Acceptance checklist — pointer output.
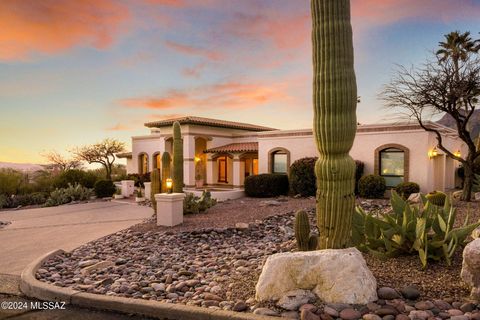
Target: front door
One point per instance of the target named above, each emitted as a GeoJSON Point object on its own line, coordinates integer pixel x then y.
{"type": "Point", "coordinates": [222, 169]}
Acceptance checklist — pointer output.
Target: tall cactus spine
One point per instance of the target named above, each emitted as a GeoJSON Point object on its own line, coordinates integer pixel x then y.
{"type": "Point", "coordinates": [334, 125]}
{"type": "Point", "coordinates": [156, 186]}
{"type": "Point", "coordinates": [302, 230]}
{"type": "Point", "coordinates": [166, 172]}
{"type": "Point", "coordinates": [177, 158]}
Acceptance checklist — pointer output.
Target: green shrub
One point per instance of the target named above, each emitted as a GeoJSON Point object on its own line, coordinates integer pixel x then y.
{"type": "Point", "coordinates": [427, 230]}
{"type": "Point", "coordinates": [76, 176]}
{"type": "Point", "coordinates": [194, 204]}
{"type": "Point", "coordinates": [359, 167]}
{"type": "Point", "coordinates": [11, 181]}
{"type": "Point", "coordinates": [405, 189]}
{"type": "Point", "coordinates": [104, 188]}
{"type": "Point", "coordinates": [302, 177]}
{"type": "Point", "coordinates": [266, 185]}
{"type": "Point", "coordinates": [65, 195]}
{"type": "Point", "coordinates": [139, 179]}
{"type": "Point", "coordinates": [371, 186]}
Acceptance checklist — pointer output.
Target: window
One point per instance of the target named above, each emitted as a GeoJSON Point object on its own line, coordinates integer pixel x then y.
{"type": "Point", "coordinates": [392, 164]}
{"type": "Point", "coordinates": [143, 163]}
{"type": "Point", "coordinates": [222, 169]}
{"type": "Point", "coordinates": [157, 160]}
{"type": "Point", "coordinates": [279, 162]}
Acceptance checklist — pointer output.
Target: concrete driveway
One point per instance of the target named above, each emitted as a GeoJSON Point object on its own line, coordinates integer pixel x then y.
{"type": "Point", "coordinates": [34, 232]}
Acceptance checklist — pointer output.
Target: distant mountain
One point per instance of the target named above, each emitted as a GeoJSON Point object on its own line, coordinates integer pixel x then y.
{"type": "Point", "coordinates": [448, 121]}
{"type": "Point", "coordinates": [28, 167]}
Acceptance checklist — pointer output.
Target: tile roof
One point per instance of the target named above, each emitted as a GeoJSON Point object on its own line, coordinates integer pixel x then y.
{"type": "Point", "coordinates": [235, 147]}
{"type": "Point", "coordinates": [124, 155]}
{"type": "Point", "coordinates": [207, 122]}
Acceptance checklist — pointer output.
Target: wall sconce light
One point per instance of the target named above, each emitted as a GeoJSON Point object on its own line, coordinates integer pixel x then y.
{"type": "Point", "coordinates": [432, 153]}
{"type": "Point", "coordinates": [197, 159]}
{"type": "Point", "coordinates": [169, 184]}
{"type": "Point", "coordinates": [457, 154]}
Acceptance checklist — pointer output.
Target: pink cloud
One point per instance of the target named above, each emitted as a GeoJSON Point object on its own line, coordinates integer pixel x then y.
{"type": "Point", "coordinates": [51, 27]}
{"type": "Point", "coordinates": [194, 51]}
{"type": "Point", "coordinates": [195, 71]}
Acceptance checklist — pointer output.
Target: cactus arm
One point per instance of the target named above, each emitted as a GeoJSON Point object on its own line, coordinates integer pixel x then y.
{"type": "Point", "coordinates": [166, 163]}
{"type": "Point", "coordinates": [335, 100]}
{"type": "Point", "coordinates": [156, 183]}
{"type": "Point", "coordinates": [177, 158]}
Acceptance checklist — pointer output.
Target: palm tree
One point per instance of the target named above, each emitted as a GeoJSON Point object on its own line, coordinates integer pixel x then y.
{"type": "Point", "coordinates": [457, 47]}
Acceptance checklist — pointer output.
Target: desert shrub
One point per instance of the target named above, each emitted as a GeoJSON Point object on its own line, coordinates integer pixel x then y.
{"type": "Point", "coordinates": [104, 188]}
{"type": "Point", "coordinates": [427, 230]}
{"type": "Point", "coordinates": [28, 199]}
{"type": "Point", "coordinates": [11, 181]}
{"type": "Point", "coordinates": [65, 195]}
{"type": "Point", "coordinates": [302, 177]}
{"type": "Point", "coordinates": [359, 167]}
{"type": "Point", "coordinates": [194, 204]}
{"type": "Point", "coordinates": [44, 181]}
{"type": "Point", "coordinates": [119, 172]}
{"type": "Point", "coordinates": [139, 179]}
{"type": "Point", "coordinates": [371, 186]}
{"type": "Point", "coordinates": [75, 176]}
{"type": "Point", "coordinates": [266, 185]}
{"type": "Point", "coordinates": [405, 189]}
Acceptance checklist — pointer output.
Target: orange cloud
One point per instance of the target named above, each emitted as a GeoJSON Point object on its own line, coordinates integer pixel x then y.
{"type": "Point", "coordinates": [171, 3]}
{"type": "Point", "coordinates": [229, 95]}
{"type": "Point", "coordinates": [119, 127]}
{"type": "Point", "coordinates": [50, 26]}
{"type": "Point", "coordinates": [194, 51]}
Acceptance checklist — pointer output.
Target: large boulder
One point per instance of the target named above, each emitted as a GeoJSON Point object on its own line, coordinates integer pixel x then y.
{"type": "Point", "coordinates": [334, 275]}
{"type": "Point", "coordinates": [471, 267]}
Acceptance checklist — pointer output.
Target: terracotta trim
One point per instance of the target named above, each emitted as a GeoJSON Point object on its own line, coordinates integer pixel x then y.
{"type": "Point", "coordinates": [406, 159]}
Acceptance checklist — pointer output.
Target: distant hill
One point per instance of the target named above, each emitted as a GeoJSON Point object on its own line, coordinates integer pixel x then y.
{"type": "Point", "coordinates": [448, 121]}
{"type": "Point", "coordinates": [28, 167]}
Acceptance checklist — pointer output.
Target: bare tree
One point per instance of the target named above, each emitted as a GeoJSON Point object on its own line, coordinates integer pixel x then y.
{"type": "Point", "coordinates": [444, 86]}
{"type": "Point", "coordinates": [62, 162]}
{"type": "Point", "coordinates": [102, 152]}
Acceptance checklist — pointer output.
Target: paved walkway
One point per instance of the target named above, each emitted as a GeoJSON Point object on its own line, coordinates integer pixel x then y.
{"type": "Point", "coordinates": [34, 232]}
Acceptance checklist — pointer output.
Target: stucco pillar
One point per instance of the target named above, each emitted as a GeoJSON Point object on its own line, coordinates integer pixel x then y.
{"type": "Point", "coordinates": [210, 169]}
{"type": "Point", "coordinates": [169, 209]}
{"type": "Point", "coordinates": [237, 183]}
{"type": "Point", "coordinates": [189, 160]}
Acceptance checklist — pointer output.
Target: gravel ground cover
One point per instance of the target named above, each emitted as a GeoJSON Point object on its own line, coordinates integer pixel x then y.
{"type": "Point", "coordinates": [217, 265]}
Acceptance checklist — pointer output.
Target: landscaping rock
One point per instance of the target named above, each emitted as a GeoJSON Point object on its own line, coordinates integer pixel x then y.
{"type": "Point", "coordinates": [415, 198]}
{"type": "Point", "coordinates": [424, 305]}
{"type": "Point", "coordinates": [387, 293]}
{"type": "Point", "coordinates": [410, 292]}
{"type": "Point", "coordinates": [308, 315]}
{"type": "Point", "coordinates": [97, 266]}
{"type": "Point", "coordinates": [350, 314]}
{"type": "Point", "coordinates": [240, 306]}
{"type": "Point", "coordinates": [339, 275]}
{"type": "Point", "coordinates": [292, 300]}
{"type": "Point", "coordinates": [290, 315]}
{"type": "Point", "coordinates": [370, 316]}
{"type": "Point", "coordinates": [471, 268]}
{"type": "Point", "coordinates": [265, 312]}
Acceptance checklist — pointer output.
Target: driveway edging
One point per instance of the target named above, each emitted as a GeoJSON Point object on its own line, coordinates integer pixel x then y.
{"type": "Point", "coordinates": [32, 287]}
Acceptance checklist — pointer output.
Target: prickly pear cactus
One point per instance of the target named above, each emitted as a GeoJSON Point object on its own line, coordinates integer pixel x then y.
{"type": "Point", "coordinates": [177, 158]}
{"type": "Point", "coordinates": [156, 186]}
{"type": "Point", "coordinates": [166, 163]}
{"type": "Point", "coordinates": [335, 101]}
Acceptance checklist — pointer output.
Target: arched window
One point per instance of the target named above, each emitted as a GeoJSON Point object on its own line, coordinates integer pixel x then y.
{"type": "Point", "coordinates": [142, 163]}
{"type": "Point", "coordinates": [279, 160]}
{"type": "Point", "coordinates": [392, 166]}
{"type": "Point", "coordinates": [157, 160]}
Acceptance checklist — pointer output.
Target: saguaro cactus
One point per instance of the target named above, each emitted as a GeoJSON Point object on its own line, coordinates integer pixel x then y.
{"type": "Point", "coordinates": [177, 158]}
{"type": "Point", "coordinates": [156, 186]}
{"type": "Point", "coordinates": [334, 125]}
{"type": "Point", "coordinates": [305, 241]}
{"type": "Point", "coordinates": [166, 162]}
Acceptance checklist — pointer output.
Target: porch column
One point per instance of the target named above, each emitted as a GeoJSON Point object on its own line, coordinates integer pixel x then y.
{"type": "Point", "coordinates": [237, 183]}
{"type": "Point", "coordinates": [210, 169]}
{"type": "Point", "coordinates": [189, 160]}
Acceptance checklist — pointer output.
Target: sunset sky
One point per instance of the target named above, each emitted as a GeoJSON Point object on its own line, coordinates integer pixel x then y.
{"type": "Point", "coordinates": [73, 72]}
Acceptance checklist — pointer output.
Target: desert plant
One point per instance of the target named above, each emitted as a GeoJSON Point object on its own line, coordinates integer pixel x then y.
{"type": "Point", "coordinates": [194, 204]}
{"type": "Point", "coordinates": [66, 195]}
{"type": "Point", "coordinates": [302, 177]}
{"type": "Point", "coordinates": [139, 179]}
{"type": "Point", "coordinates": [405, 189]}
{"type": "Point", "coordinates": [305, 240]}
{"type": "Point", "coordinates": [359, 167]}
{"type": "Point", "coordinates": [104, 188]}
{"type": "Point", "coordinates": [11, 181]}
{"type": "Point", "coordinates": [177, 158]}
{"type": "Point", "coordinates": [436, 198]}
{"type": "Point", "coordinates": [156, 187]}
{"type": "Point", "coordinates": [266, 185]}
{"type": "Point", "coordinates": [372, 186]}
{"type": "Point", "coordinates": [75, 176]}
{"type": "Point", "coordinates": [426, 229]}
{"type": "Point", "coordinates": [335, 123]}
{"type": "Point", "coordinates": [166, 163]}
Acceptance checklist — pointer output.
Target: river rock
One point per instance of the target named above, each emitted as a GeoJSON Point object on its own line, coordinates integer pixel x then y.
{"type": "Point", "coordinates": [336, 275]}
{"type": "Point", "coordinates": [292, 300]}
{"type": "Point", "coordinates": [97, 266]}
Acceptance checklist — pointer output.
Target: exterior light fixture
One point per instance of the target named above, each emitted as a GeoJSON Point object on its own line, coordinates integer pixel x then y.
{"type": "Point", "coordinates": [169, 184]}
{"type": "Point", "coordinates": [457, 153]}
{"type": "Point", "coordinates": [197, 159]}
{"type": "Point", "coordinates": [432, 153]}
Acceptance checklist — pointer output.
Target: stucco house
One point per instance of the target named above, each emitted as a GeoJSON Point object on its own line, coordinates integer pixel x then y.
{"type": "Point", "coordinates": [222, 153]}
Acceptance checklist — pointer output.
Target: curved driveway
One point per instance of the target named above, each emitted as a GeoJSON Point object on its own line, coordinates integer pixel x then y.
{"type": "Point", "coordinates": [33, 232]}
